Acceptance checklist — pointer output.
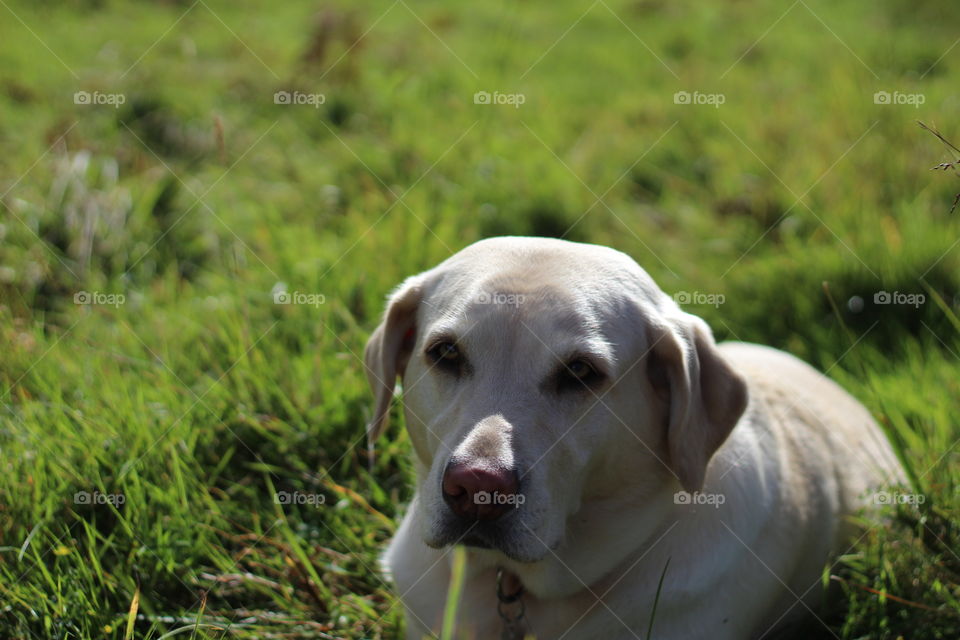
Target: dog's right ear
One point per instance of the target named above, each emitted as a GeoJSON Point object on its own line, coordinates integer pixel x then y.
{"type": "Point", "coordinates": [706, 395]}
{"type": "Point", "coordinates": [388, 351]}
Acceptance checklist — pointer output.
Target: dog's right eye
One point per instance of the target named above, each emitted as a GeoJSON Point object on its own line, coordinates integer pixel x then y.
{"type": "Point", "coordinates": [577, 375]}
{"type": "Point", "coordinates": [446, 355]}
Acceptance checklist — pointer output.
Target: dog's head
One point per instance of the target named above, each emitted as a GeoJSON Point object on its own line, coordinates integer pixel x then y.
{"type": "Point", "coordinates": [539, 374]}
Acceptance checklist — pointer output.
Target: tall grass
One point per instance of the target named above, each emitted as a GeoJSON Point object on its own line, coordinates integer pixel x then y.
{"type": "Point", "coordinates": [145, 364]}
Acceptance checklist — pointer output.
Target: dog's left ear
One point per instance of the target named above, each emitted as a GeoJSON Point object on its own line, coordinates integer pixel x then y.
{"type": "Point", "coordinates": [388, 351]}
{"type": "Point", "coordinates": [707, 396]}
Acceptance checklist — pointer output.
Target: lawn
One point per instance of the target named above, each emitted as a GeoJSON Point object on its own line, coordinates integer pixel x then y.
{"type": "Point", "coordinates": [204, 204]}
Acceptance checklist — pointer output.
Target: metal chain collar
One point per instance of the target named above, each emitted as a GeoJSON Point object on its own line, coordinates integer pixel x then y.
{"type": "Point", "coordinates": [512, 627]}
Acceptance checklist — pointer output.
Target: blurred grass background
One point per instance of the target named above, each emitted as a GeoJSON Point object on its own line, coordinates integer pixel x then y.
{"type": "Point", "coordinates": [195, 397]}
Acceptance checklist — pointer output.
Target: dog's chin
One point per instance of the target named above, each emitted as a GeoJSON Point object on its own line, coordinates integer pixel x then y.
{"type": "Point", "coordinates": [490, 536]}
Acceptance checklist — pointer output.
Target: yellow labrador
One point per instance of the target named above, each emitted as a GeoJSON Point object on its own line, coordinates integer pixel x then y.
{"type": "Point", "coordinates": [584, 438]}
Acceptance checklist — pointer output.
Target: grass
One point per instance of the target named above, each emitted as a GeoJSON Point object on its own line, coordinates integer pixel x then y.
{"type": "Point", "coordinates": [183, 399]}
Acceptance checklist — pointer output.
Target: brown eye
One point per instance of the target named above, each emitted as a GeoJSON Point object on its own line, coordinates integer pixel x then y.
{"type": "Point", "coordinates": [577, 375]}
{"type": "Point", "coordinates": [445, 354]}
{"type": "Point", "coordinates": [580, 370]}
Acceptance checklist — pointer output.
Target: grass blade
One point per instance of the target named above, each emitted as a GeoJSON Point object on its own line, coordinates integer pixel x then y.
{"type": "Point", "coordinates": [132, 614]}
{"type": "Point", "coordinates": [454, 592]}
{"type": "Point", "coordinates": [656, 599]}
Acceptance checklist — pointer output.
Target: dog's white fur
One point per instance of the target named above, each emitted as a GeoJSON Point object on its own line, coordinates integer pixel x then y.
{"type": "Point", "coordinates": [788, 453]}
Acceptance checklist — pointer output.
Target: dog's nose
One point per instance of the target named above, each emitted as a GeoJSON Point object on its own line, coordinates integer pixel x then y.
{"type": "Point", "coordinates": [479, 492]}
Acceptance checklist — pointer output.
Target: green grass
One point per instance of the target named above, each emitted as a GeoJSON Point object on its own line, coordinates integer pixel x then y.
{"type": "Point", "coordinates": [198, 398]}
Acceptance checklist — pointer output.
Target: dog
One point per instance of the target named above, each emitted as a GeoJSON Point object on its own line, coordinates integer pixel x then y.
{"type": "Point", "coordinates": [602, 459]}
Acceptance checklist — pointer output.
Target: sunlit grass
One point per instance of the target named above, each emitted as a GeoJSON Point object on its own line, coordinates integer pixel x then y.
{"type": "Point", "coordinates": [197, 398]}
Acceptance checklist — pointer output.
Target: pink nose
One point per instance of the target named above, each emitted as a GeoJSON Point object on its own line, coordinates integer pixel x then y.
{"type": "Point", "coordinates": [478, 492]}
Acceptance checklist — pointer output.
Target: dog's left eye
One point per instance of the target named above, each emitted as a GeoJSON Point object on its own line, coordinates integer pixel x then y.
{"type": "Point", "coordinates": [579, 369]}
{"type": "Point", "coordinates": [577, 374]}
{"type": "Point", "coordinates": [446, 355]}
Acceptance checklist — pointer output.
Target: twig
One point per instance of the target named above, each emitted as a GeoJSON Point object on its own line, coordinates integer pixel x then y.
{"type": "Point", "coordinates": [909, 603]}
{"type": "Point", "coordinates": [943, 166]}
{"type": "Point", "coordinates": [939, 135]}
